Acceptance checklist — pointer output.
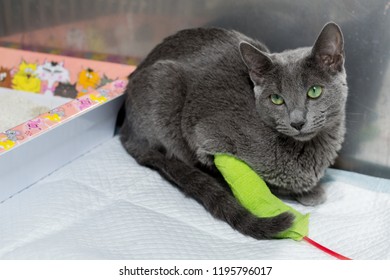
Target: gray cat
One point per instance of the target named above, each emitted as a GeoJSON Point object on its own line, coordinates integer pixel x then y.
{"type": "Point", "coordinates": [207, 91]}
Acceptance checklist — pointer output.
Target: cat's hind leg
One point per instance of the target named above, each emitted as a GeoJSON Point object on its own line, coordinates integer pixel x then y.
{"type": "Point", "coordinates": [155, 98]}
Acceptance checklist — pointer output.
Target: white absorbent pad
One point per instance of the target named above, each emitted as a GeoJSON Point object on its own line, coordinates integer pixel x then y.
{"type": "Point", "coordinates": [105, 206]}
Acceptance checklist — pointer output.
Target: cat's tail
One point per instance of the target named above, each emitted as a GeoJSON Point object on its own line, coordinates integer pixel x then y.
{"type": "Point", "coordinates": [212, 195]}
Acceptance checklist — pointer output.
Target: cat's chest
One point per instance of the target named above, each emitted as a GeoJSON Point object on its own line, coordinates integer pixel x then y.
{"type": "Point", "coordinates": [299, 166]}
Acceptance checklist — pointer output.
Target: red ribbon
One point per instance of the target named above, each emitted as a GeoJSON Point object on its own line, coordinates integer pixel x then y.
{"type": "Point", "coordinates": [324, 249]}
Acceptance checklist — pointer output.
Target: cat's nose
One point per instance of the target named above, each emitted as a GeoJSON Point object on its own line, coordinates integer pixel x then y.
{"type": "Point", "coordinates": [298, 118]}
{"type": "Point", "coordinates": [298, 125]}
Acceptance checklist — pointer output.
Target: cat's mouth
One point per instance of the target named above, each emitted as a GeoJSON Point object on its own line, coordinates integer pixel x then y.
{"type": "Point", "coordinates": [305, 136]}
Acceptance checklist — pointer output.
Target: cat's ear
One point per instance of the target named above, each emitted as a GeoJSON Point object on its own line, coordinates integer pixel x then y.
{"type": "Point", "coordinates": [258, 62]}
{"type": "Point", "coordinates": [328, 50]}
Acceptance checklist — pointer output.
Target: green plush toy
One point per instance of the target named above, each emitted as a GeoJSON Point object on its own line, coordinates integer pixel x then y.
{"type": "Point", "coordinates": [252, 192]}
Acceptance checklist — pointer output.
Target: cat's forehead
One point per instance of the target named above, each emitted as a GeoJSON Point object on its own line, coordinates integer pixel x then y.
{"type": "Point", "coordinates": [290, 57]}
{"type": "Point", "coordinates": [291, 69]}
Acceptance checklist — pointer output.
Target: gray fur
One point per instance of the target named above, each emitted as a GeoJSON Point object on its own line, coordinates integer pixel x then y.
{"type": "Point", "coordinates": [206, 91]}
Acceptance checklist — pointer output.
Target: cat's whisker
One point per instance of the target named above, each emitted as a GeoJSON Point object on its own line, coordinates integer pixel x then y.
{"type": "Point", "coordinates": [319, 122]}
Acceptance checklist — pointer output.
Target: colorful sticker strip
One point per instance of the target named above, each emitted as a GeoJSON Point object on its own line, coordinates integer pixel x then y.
{"type": "Point", "coordinates": [34, 127]}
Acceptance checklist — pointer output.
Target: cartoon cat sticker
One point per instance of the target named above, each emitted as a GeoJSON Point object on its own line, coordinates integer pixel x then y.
{"type": "Point", "coordinates": [87, 80]}
{"type": "Point", "coordinates": [66, 90]}
{"type": "Point", "coordinates": [26, 78]}
{"type": "Point", "coordinates": [52, 72]}
{"type": "Point", "coordinates": [7, 144]}
{"type": "Point", "coordinates": [14, 135]}
{"type": "Point", "coordinates": [5, 77]}
{"type": "Point", "coordinates": [104, 80]}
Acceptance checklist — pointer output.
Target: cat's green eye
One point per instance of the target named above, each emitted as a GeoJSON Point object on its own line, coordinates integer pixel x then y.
{"type": "Point", "coordinates": [314, 92]}
{"type": "Point", "coordinates": [277, 99]}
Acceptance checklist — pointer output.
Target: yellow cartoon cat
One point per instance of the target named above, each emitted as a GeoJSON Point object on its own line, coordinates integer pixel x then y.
{"type": "Point", "coordinates": [25, 79]}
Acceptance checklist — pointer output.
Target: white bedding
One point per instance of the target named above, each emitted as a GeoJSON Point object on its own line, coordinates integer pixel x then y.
{"type": "Point", "coordinates": [105, 206]}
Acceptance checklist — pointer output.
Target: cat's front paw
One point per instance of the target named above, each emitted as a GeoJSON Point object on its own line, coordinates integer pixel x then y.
{"type": "Point", "coordinates": [315, 197]}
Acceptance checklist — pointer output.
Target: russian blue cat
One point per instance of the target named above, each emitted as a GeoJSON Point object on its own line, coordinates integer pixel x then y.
{"type": "Point", "coordinates": [207, 91]}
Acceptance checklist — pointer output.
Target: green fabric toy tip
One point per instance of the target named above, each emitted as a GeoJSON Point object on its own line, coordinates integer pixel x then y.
{"type": "Point", "coordinates": [252, 192]}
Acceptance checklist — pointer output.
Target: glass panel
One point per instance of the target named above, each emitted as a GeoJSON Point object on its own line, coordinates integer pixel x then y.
{"type": "Point", "coordinates": [130, 29]}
